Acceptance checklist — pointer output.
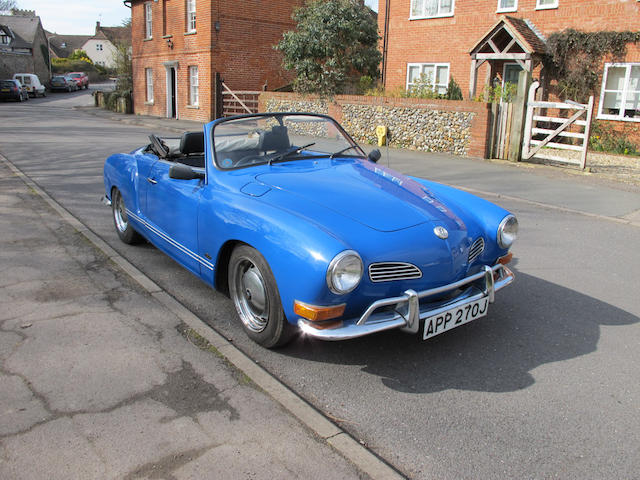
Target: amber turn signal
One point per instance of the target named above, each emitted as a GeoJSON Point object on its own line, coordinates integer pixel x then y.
{"type": "Point", "coordinates": [316, 313]}
{"type": "Point", "coordinates": [506, 259]}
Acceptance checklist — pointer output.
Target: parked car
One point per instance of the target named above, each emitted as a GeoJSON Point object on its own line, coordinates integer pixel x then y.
{"type": "Point", "coordinates": [63, 82]}
{"type": "Point", "coordinates": [307, 233]}
{"type": "Point", "coordinates": [81, 79]}
{"type": "Point", "coordinates": [32, 84]}
{"type": "Point", "coordinates": [12, 89]}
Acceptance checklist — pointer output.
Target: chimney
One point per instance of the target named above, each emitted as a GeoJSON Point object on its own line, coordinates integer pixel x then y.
{"type": "Point", "coordinates": [97, 27]}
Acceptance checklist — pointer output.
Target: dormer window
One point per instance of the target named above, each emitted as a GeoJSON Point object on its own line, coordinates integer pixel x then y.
{"type": "Point", "coordinates": [63, 45]}
{"type": "Point", "coordinates": [5, 39]}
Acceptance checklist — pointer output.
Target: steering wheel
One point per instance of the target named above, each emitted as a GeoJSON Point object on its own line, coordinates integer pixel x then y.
{"type": "Point", "coordinates": [248, 160]}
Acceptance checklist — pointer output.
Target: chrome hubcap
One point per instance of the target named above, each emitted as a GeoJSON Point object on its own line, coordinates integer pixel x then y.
{"type": "Point", "coordinates": [120, 214]}
{"type": "Point", "coordinates": [251, 296]}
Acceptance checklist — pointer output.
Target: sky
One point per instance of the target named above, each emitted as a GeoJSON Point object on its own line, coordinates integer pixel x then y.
{"type": "Point", "coordinates": [79, 17]}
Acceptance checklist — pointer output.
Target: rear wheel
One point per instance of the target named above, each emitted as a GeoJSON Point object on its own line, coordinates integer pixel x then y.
{"type": "Point", "coordinates": [121, 221]}
{"type": "Point", "coordinates": [255, 295]}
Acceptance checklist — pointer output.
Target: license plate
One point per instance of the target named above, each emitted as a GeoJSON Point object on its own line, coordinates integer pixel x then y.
{"type": "Point", "coordinates": [455, 317]}
{"type": "Point", "coordinates": [5, 90]}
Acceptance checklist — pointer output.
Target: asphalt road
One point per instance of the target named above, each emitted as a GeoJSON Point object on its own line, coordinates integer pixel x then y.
{"type": "Point", "coordinates": [547, 386]}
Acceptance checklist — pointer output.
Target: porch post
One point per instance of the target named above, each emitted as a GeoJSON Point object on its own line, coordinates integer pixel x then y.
{"type": "Point", "coordinates": [472, 78]}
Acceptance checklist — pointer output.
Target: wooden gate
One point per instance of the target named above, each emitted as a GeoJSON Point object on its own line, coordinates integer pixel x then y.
{"type": "Point", "coordinates": [238, 102]}
{"type": "Point", "coordinates": [502, 116]}
{"type": "Point", "coordinates": [547, 128]}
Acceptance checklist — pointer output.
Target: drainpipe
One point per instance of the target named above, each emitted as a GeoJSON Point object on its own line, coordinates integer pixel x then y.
{"type": "Point", "coordinates": [385, 43]}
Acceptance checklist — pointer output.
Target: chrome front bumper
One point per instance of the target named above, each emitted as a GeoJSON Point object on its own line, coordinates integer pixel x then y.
{"type": "Point", "coordinates": [406, 313]}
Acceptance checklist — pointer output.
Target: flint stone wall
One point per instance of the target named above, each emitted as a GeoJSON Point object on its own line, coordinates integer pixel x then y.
{"type": "Point", "coordinates": [455, 127]}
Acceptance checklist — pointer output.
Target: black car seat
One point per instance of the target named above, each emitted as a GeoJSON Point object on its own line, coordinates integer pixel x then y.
{"type": "Point", "coordinates": [192, 149]}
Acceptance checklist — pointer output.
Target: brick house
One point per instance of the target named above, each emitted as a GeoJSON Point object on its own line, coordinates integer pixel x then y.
{"type": "Point", "coordinates": [478, 42]}
{"type": "Point", "coordinates": [179, 45]}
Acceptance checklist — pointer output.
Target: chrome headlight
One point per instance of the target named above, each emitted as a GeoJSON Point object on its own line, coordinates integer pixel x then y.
{"type": "Point", "coordinates": [507, 231]}
{"type": "Point", "coordinates": [344, 272]}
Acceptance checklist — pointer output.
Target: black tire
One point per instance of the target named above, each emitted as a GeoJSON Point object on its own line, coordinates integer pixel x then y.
{"type": "Point", "coordinates": [124, 229]}
{"type": "Point", "coordinates": [254, 292]}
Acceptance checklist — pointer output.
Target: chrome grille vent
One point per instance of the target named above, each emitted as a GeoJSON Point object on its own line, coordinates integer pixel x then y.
{"type": "Point", "coordinates": [476, 249]}
{"type": "Point", "coordinates": [390, 271]}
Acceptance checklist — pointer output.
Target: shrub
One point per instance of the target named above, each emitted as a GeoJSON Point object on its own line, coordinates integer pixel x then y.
{"type": "Point", "coordinates": [605, 139]}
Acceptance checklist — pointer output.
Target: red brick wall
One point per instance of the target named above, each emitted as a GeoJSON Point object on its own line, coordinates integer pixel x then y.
{"type": "Point", "coordinates": [242, 50]}
{"type": "Point", "coordinates": [449, 40]}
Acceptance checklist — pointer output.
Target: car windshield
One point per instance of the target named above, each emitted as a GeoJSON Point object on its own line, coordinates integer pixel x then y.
{"type": "Point", "coordinates": [278, 137]}
{"type": "Point", "coordinates": [58, 78]}
{"type": "Point", "coordinates": [7, 83]}
{"type": "Point", "coordinates": [75, 75]}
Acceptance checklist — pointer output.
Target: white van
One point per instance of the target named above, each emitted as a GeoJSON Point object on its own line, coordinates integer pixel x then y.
{"type": "Point", "coordinates": [32, 82]}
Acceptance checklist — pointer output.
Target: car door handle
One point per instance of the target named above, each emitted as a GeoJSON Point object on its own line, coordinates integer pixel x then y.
{"type": "Point", "coordinates": [151, 180]}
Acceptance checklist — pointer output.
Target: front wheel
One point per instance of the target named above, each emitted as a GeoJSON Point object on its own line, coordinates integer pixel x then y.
{"type": "Point", "coordinates": [255, 295]}
{"type": "Point", "coordinates": [120, 219]}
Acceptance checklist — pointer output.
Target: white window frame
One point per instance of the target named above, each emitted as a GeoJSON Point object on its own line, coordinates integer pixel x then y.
{"type": "Point", "coordinates": [5, 39]}
{"type": "Point", "coordinates": [625, 91]}
{"type": "Point", "coordinates": [435, 69]}
{"type": "Point", "coordinates": [148, 75]}
{"type": "Point", "coordinates": [191, 16]}
{"type": "Point", "coordinates": [194, 92]}
{"type": "Point", "coordinates": [437, 15]}
{"type": "Point", "coordinates": [148, 20]}
{"type": "Point", "coordinates": [99, 47]}
{"type": "Point", "coordinates": [540, 6]}
{"type": "Point", "coordinates": [507, 9]}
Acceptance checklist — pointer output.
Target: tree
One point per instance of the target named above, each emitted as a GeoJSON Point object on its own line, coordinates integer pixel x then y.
{"type": "Point", "coordinates": [6, 5]}
{"type": "Point", "coordinates": [335, 42]}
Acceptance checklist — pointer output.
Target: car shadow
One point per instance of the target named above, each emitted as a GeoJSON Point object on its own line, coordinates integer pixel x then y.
{"type": "Point", "coordinates": [533, 322]}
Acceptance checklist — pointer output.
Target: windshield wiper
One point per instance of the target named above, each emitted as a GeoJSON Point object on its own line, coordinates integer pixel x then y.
{"type": "Point", "coordinates": [335, 154]}
{"type": "Point", "coordinates": [290, 152]}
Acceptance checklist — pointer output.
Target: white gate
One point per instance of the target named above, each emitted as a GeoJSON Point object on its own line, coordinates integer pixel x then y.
{"type": "Point", "coordinates": [534, 147]}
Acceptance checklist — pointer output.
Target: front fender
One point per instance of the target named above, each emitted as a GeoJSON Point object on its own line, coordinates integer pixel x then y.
{"type": "Point", "coordinates": [297, 250]}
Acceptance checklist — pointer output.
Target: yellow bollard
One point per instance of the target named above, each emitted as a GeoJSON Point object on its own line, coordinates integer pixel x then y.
{"type": "Point", "coordinates": [381, 132]}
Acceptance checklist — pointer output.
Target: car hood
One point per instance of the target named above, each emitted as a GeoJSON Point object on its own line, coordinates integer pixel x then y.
{"type": "Point", "coordinates": [372, 195]}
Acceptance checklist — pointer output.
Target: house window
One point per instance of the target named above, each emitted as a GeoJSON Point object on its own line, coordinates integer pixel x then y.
{"type": "Point", "coordinates": [191, 15]}
{"type": "Point", "coordinates": [620, 96]}
{"type": "Point", "coordinates": [541, 4]}
{"type": "Point", "coordinates": [148, 21]}
{"type": "Point", "coordinates": [507, 6]}
{"type": "Point", "coordinates": [99, 47]}
{"type": "Point", "coordinates": [431, 8]}
{"type": "Point", "coordinates": [148, 73]}
{"type": "Point", "coordinates": [193, 85]}
{"type": "Point", "coordinates": [433, 75]}
{"type": "Point", "coordinates": [4, 39]}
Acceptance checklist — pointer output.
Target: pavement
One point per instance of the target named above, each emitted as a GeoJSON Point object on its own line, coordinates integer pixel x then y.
{"type": "Point", "coordinates": [104, 375]}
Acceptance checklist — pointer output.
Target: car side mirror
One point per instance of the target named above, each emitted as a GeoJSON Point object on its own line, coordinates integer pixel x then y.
{"type": "Point", "coordinates": [180, 171]}
{"type": "Point", "coordinates": [374, 155]}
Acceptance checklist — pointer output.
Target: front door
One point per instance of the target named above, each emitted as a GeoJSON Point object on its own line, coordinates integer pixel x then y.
{"type": "Point", "coordinates": [510, 73]}
{"type": "Point", "coordinates": [172, 102]}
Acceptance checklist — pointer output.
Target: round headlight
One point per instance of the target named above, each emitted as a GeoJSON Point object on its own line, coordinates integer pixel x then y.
{"type": "Point", "coordinates": [344, 272]}
{"type": "Point", "coordinates": [507, 231]}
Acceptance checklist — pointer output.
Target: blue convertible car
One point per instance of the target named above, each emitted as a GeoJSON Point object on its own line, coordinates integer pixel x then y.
{"type": "Point", "coordinates": [307, 233]}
